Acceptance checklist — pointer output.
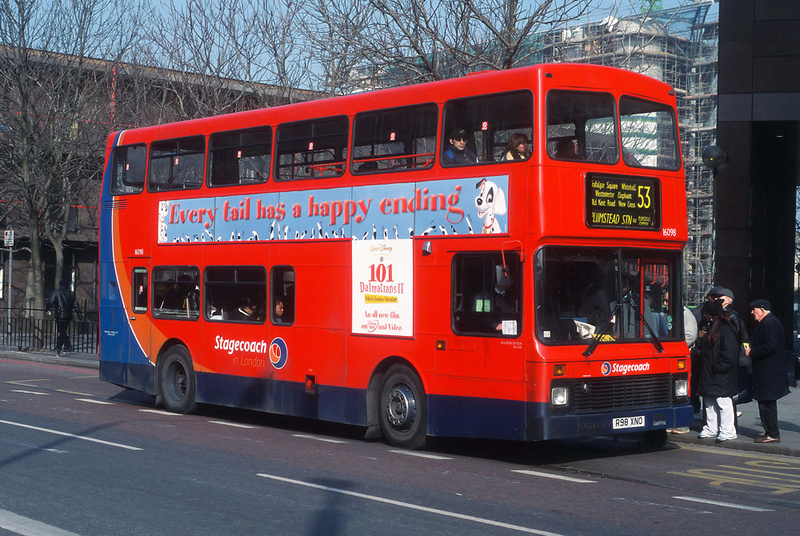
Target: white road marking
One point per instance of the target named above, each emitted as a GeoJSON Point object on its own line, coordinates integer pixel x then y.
{"type": "Point", "coordinates": [234, 424]}
{"type": "Point", "coordinates": [410, 506]}
{"type": "Point", "coordinates": [29, 392]}
{"type": "Point", "coordinates": [670, 507]}
{"type": "Point", "coordinates": [65, 434]}
{"type": "Point", "coordinates": [160, 412]}
{"type": "Point", "coordinates": [726, 504]}
{"type": "Point", "coordinates": [93, 401]}
{"type": "Point", "coordinates": [420, 454]}
{"type": "Point", "coordinates": [556, 477]}
{"type": "Point", "coordinates": [29, 527]}
{"type": "Point", "coordinates": [323, 439]}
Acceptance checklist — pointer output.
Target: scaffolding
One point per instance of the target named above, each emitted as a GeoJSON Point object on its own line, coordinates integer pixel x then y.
{"type": "Point", "coordinates": [678, 46]}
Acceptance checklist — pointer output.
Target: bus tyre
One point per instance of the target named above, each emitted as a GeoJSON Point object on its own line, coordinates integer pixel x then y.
{"type": "Point", "coordinates": [177, 381]}
{"type": "Point", "coordinates": [402, 408]}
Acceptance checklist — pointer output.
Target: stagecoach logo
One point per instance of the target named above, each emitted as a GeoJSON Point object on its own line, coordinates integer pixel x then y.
{"type": "Point", "coordinates": [617, 368]}
{"type": "Point", "coordinates": [278, 353]}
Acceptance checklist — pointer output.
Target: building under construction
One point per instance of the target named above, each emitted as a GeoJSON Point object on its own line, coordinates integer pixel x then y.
{"type": "Point", "coordinates": [679, 47]}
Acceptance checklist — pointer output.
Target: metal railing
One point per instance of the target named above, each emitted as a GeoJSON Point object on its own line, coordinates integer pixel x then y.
{"type": "Point", "coordinates": [26, 333]}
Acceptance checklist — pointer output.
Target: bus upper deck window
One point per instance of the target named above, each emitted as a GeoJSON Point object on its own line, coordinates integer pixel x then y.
{"type": "Point", "coordinates": [127, 169]}
{"type": "Point", "coordinates": [649, 134]}
{"type": "Point", "coordinates": [177, 164]}
{"type": "Point", "coordinates": [581, 126]}
{"type": "Point", "coordinates": [395, 139]}
{"type": "Point", "coordinates": [239, 157]}
{"type": "Point", "coordinates": [484, 129]}
{"type": "Point", "coordinates": [311, 149]}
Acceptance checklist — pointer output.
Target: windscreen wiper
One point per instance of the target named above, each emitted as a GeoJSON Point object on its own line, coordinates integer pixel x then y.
{"type": "Point", "coordinates": [653, 336]}
{"type": "Point", "coordinates": [597, 337]}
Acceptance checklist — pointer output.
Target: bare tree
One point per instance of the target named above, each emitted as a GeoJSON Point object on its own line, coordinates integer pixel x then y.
{"type": "Point", "coordinates": [408, 41]}
{"type": "Point", "coordinates": [332, 31]}
{"type": "Point", "coordinates": [509, 28]}
{"type": "Point", "coordinates": [286, 55]}
{"type": "Point", "coordinates": [55, 104]}
{"type": "Point", "coordinates": [192, 40]}
{"type": "Point", "coordinates": [228, 55]}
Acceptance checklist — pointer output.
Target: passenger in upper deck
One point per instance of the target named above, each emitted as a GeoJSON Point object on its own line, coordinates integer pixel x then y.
{"type": "Point", "coordinates": [516, 148]}
{"type": "Point", "coordinates": [565, 148]}
{"type": "Point", "coordinates": [458, 154]}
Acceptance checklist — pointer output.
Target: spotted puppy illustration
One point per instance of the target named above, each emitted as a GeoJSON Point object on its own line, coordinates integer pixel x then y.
{"type": "Point", "coordinates": [491, 202]}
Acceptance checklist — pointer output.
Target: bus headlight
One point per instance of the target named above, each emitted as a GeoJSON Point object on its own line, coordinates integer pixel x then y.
{"type": "Point", "coordinates": [559, 396]}
{"type": "Point", "coordinates": [681, 388]}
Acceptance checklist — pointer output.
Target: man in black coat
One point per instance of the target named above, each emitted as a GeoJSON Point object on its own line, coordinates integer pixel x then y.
{"type": "Point", "coordinates": [63, 301]}
{"type": "Point", "coordinates": [770, 378]}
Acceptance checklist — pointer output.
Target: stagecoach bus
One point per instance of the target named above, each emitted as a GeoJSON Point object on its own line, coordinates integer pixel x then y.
{"type": "Point", "coordinates": [494, 256]}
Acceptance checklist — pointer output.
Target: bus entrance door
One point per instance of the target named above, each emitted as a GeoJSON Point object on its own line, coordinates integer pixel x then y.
{"type": "Point", "coordinates": [138, 365]}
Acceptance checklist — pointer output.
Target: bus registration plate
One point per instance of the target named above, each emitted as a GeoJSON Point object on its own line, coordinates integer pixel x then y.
{"type": "Point", "coordinates": [628, 422]}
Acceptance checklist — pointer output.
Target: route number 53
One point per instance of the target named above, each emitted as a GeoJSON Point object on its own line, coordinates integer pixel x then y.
{"type": "Point", "coordinates": [644, 197]}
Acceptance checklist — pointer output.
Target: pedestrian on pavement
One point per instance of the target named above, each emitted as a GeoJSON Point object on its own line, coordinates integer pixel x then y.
{"type": "Point", "coordinates": [744, 376]}
{"type": "Point", "coordinates": [719, 357]}
{"type": "Point", "coordinates": [689, 327]}
{"type": "Point", "coordinates": [63, 301]}
{"type": "Point", "coordinates": [770, 378]}
{"type": "Point", "coordinates": [744, 372]}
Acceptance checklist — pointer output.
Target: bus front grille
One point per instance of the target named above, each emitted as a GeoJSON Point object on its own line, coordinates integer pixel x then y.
{"type": "Point", "coordinates": [621, 392]}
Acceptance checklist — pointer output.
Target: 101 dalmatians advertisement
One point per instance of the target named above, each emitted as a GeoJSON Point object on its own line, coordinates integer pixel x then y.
{"type": "Point", "coordinates": [471, 206]}
{"type": "Point", "coordinates": [383, 284]}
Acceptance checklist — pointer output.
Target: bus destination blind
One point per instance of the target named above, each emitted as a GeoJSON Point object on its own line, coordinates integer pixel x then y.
{"type": "Point", "coordinates": [622, 202]}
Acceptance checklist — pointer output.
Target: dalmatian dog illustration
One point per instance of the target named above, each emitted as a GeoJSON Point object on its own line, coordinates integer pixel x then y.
{"type": "Point", "coordinates": [491, 202]}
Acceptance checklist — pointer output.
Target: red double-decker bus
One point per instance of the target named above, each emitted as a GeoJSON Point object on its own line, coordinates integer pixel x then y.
{"type": "Point", "coordinates": [495, 256]}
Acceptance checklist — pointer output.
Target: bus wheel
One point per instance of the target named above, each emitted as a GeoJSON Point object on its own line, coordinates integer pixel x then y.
{"type": "Point", "coordinates": [177, 381]}
{"type": "Point", "coordinates": [402, 408]}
